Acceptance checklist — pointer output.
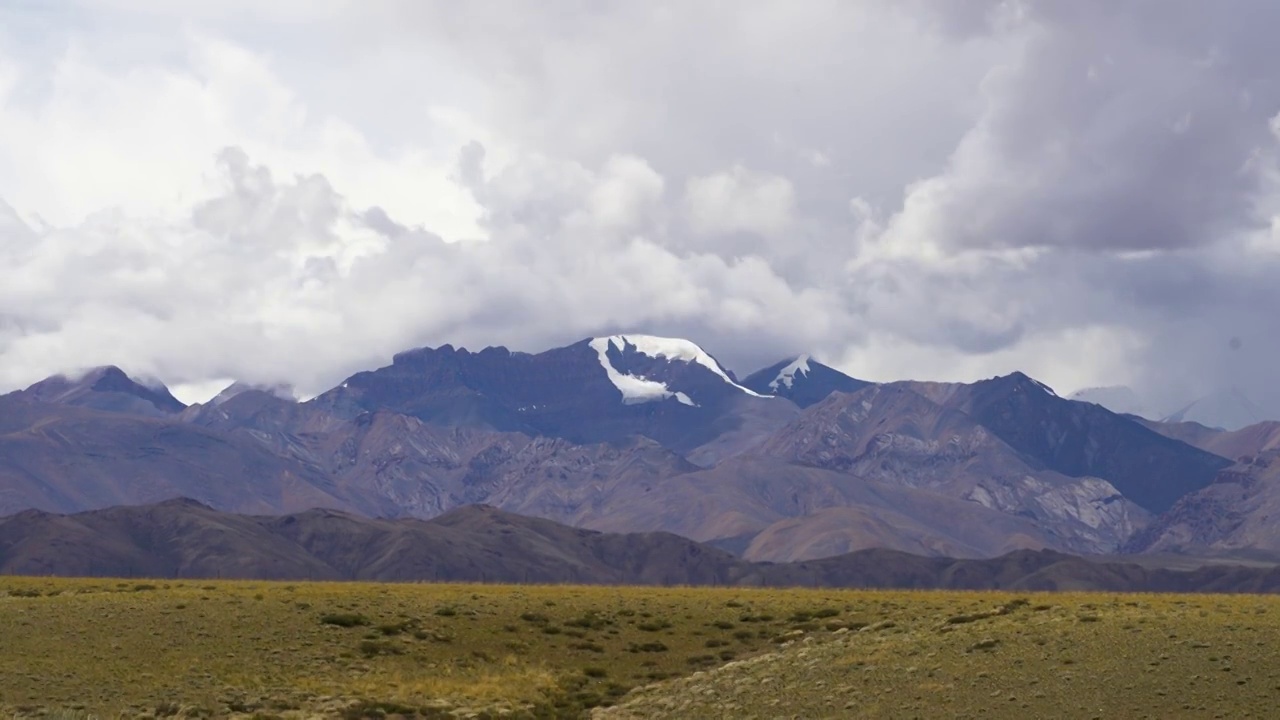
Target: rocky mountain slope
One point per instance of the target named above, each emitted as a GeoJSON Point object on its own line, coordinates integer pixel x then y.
{"type": "Point", "coordinates": [105, 388]}
{"type": "Point", "coordinates": [628, 433]}
{"type": "Point", "coordinates": [596, 390]}
{"type": "Point", "coordinates": [1081, 439]}
{"type": "Point", "coordinates": [1249, 440]}
{"type": "Point", "coordinates": [1238, 511]}
{"type": "Point", "coordinates": [58, 456]}
{"type": "Point", "coordinates": [183, 539]}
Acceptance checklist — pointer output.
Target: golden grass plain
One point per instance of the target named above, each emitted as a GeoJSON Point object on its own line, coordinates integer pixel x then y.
{"type": "Point", "coordinates": [193, 648]}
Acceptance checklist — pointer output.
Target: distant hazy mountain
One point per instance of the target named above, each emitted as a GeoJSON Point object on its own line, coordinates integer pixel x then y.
{"type": "Point", "coordinates": [1233, 444]}
{"type": "Point", "coordinates": [1116, 398]}
{"type": "Point", "coordinates": [1229, 409]}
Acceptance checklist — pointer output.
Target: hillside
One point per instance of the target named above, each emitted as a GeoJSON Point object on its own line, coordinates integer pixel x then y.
{"type": "Point", "coordinates": [183, 539]}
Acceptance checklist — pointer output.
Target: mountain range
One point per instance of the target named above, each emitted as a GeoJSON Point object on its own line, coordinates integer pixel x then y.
{"type": "Point", "coordinates": [643, 434]}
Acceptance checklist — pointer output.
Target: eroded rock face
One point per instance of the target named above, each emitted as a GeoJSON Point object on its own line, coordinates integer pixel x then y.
{"type": "Point", "coordinates": [1086, 440]}
{"type": "Point", "coordinates": [1238, 511]}
{"type": "Point", "coordinates": [895, 435]}
{"type": "Point", "coordinates": [1089, 514]}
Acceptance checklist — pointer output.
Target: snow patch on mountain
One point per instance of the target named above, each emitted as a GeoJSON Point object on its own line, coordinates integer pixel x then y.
{"type": "Point", "coordinates": [634, 389]}
{"type": "Point", "coordinates": [670, 349]}
{"type": "Point", "coordinates": [787, 375]}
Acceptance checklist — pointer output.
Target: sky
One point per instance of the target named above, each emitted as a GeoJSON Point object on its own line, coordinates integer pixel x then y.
{"type": "Point", "coordinates": [289, 192]}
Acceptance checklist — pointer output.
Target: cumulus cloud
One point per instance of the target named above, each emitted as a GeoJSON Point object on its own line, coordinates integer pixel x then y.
{"type": "Point", "coordinates": [738, 200]}
{"type": "Point", "coordinates": [1086, 191]}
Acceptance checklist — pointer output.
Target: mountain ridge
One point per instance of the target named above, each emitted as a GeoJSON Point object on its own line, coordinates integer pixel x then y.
{"type": "Point", "coordinates": [185, 539]}
{"type": "Point", "coordinates": [969, 470]}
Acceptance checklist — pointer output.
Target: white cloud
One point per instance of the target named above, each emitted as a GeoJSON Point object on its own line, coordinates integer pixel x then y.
{"type": "Point", "coordinates": [1027, 193]}
{"type": "Point", "coordinates": [738, 200]}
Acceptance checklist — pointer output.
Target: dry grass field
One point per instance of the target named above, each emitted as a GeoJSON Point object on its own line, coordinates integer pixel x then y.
{"type": "Point", "coordinates": [106, 648]}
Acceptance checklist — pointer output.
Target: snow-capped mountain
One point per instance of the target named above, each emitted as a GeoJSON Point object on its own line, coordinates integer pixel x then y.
{"type": "Point", "coordinates": [802, 380]}
{"type": "Point", "coordinates": [1229, 409]}
{"type": "Point", "coordinates": [598, 389]}
{"type": "Point", "coordinates": [622, 432]}
{"type": "Point", "coordinates": [641, 366]}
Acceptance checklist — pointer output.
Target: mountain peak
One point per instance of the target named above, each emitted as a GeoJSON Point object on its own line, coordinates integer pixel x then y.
{"type": "Point", "coordinates": [106, 388]}
{"type": "Point", "coordinates": [284, 391]}
{"type": "Point", "coordinates": [638, 387]}
{"type": "Point", "coordinates": [1018, 380]}
{"type": "Point", "coordinates": [802, 380]}
{"type": "Point", "coordinates": [786, 377]}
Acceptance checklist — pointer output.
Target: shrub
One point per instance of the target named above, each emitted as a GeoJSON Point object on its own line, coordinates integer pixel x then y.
{"type": "Point", "coordinates": [595, 672]}
{"type": "Point", "coordinates": [370, 648]}
{"type": "Point", "coordinates": [346, 620]}
{"type": "Point", "coordinates": [396, 628]}
{"type": "Point", "coordinates": [654, 647]}
{"type": "Point", "coordinates": [589, 621]}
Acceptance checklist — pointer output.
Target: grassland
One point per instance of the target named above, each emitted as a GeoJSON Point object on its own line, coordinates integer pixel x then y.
{"type": "Point", "coordinates": [255, 649]}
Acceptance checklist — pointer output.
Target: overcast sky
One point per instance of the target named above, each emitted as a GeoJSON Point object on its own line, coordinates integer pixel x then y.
{"type": "Point", "coordinates": [293, 190]}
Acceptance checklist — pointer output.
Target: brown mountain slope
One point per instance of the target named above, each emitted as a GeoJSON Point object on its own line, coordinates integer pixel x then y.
{"type": "Point", "coordinates": [420, 469]}
{"type": "Point", "coordinates": [741, 498]}
{"type": "Point", "coordinates": [182, 539]}
{"type": "Point", "coordinates": [1232, 444]}
{"type": "Point", "coordinates": [895, 435]}
{"type": "Point", "coordinates": [923, 496]}
{"type": "Point", "coordinates": [1082, 439]}
{"type": "Point", "coordinates": [1239, 511]}
{"type": "Point", "coordinates": [65, 458]}
{"type": "Point", "coordinates": [405, 466]}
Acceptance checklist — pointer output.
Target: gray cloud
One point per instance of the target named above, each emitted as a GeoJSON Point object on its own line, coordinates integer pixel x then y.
{"type": "Point", "coordinates": [1083, 190]}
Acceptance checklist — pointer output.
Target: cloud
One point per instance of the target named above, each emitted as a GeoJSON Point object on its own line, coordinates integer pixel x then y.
{"type": "Point", "coordinates": [1086, 191]}
{"type": "Point", "coordinates": [738, 200]}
